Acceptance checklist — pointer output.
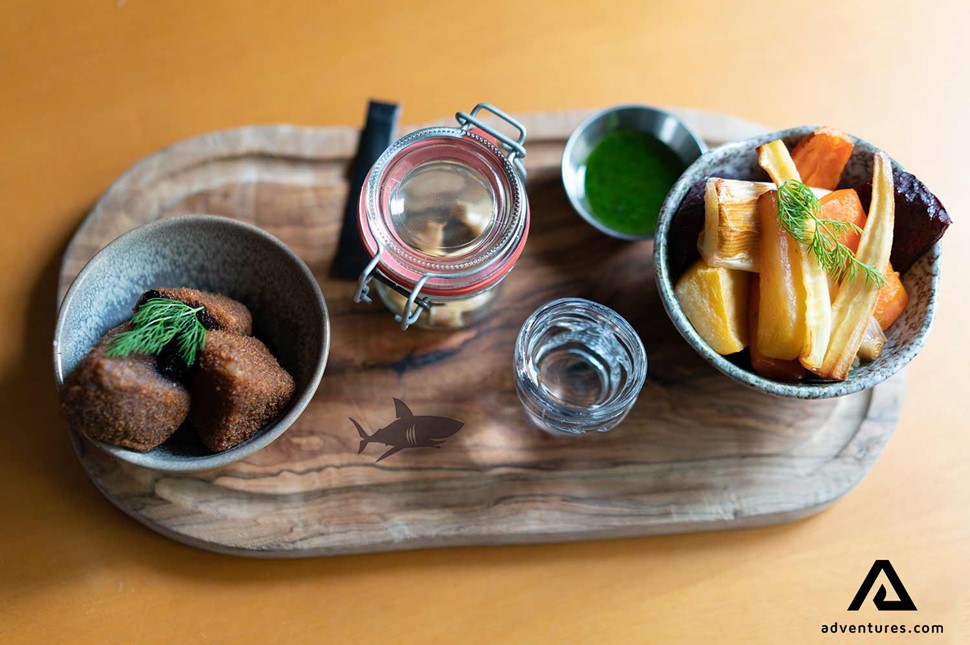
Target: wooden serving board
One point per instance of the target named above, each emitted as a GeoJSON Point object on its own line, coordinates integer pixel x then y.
{"type": "Point", "coordinates": [698, 452]}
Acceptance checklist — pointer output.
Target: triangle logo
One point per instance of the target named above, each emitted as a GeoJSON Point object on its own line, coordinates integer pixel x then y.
{"type": "Point", "coordinates": [903, 602]}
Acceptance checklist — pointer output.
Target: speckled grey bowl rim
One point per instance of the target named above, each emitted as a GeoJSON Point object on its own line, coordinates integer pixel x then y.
{"type": "Point", "coordinates": [577, 133]}
{"type": "Point", "coordinates": [751, 379]}
{"type": "Point", "coordinates": [266, 436]}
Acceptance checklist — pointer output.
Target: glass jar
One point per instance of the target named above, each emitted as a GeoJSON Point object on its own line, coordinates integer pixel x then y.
{"type": "Point", "coordinates": [444, 216]}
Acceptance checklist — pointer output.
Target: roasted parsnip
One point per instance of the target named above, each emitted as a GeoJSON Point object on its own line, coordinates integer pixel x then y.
{"type": "Point", "coordinates": [775, 159]}
{"type": "Point", "coordinates": [855, 303]}
{"type": "Point", "coordinates": [777, 162]}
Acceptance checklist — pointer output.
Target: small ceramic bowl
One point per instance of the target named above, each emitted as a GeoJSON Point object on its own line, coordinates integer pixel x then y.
{"type": "Point", "coordinates": [676, 249]}
{"type": "Point", "coordinates": [637, 118]}
{"type": "Point", "coordinates": [214, 254]}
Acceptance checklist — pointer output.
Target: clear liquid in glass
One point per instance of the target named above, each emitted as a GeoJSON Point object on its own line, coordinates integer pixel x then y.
{"type": "Point", "coordinates": [578, 365]}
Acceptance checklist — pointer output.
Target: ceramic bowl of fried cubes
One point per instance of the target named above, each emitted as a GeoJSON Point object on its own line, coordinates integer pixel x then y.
{"type": "Point", "coordinates": [190, 343]}
{"type": "Point", "coordinates": [802, 263]}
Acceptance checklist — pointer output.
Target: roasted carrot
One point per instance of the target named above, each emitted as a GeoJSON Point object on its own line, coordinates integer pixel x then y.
{"type": "Point", "coordinates": [773, 368]}
{"type": "Point", "coordinates": [821, 157]}
{"type": "Point", "coordinates": [844, 206]}
{"type": "Point", "coordinates": [892, 300]}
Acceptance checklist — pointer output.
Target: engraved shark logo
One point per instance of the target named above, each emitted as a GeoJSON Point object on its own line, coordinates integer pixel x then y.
{"type": "Point", "coordinates": [409, 431]}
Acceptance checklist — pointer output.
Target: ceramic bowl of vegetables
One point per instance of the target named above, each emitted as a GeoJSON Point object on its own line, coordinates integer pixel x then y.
{"type": "Point", "coordinates": [190, 343]}
{"type": "Point", "coordinates": [802, 263]}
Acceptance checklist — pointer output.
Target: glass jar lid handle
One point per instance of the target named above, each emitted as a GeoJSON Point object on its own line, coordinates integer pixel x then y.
{"type": "Point", "coordinates": [515, 147]}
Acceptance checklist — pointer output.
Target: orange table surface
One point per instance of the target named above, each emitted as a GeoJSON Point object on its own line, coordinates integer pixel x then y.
{"type": "Point", "coordinates": [89, 87]}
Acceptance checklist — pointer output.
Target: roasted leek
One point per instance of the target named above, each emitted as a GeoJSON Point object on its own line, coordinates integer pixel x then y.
{"type": "Point", "coordinates": [731, 230]}
{"type": "Point", "coordinates": [872, 342]}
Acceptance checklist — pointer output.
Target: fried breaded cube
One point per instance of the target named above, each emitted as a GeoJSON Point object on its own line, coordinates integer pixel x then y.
{"type": "Point", "coordinates": [237, 388]}
{"type": "Point", "coordinates": [221, 312]}
{"type": "Point", "coordinates": [123, 401]}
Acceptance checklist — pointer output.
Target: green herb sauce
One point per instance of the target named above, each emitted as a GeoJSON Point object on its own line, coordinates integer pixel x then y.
{"type": "Point", "coordinates": [628, 175]}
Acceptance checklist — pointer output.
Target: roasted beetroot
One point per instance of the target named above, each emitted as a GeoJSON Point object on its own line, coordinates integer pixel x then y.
{"type": "Point", "coordinates": [921, 219]}
{"type": "Point", "coordinates": [682, 236]}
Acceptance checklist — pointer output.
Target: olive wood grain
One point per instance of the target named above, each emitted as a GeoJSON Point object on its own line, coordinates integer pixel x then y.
{"type": "Point", "coordinates": [698, 452]}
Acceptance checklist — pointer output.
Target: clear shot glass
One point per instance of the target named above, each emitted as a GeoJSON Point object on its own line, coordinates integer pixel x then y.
{"type": "Point", "coordinates": [579, 367]}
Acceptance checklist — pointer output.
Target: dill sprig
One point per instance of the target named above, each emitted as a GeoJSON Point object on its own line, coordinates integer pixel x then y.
{"type": "Point", "coordinates": [156, 323]}
{"type": "Point", "coordinates": [799, 211]}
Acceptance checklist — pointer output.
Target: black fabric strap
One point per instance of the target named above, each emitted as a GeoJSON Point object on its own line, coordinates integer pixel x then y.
{"type": "Point", "coordinates": [376, 136]}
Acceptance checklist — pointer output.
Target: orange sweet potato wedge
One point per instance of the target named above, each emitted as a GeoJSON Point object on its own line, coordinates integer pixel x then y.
{"type": "Point", "coordinates": [821, 157]}
{"type": "Point", "coordinates": [892, 300]}
{"type": "Point", "coordinates": [844, 205]}
{"type": "Point", "coordinates": [773, 368]}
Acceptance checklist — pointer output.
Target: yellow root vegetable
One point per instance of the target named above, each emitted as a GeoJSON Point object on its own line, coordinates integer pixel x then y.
{"type": "Point", "coordinates": [773, 368]}
{"type": "Point", "coordinates": [781, 317]}
{"type": "Point", "coordinates": [817, 312]}
{"type": "Point", "coordinates": [714, 299]}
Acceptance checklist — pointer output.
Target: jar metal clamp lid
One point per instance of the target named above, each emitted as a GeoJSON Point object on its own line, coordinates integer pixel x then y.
{"type": "Point", "coordinates": [444, 213]}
